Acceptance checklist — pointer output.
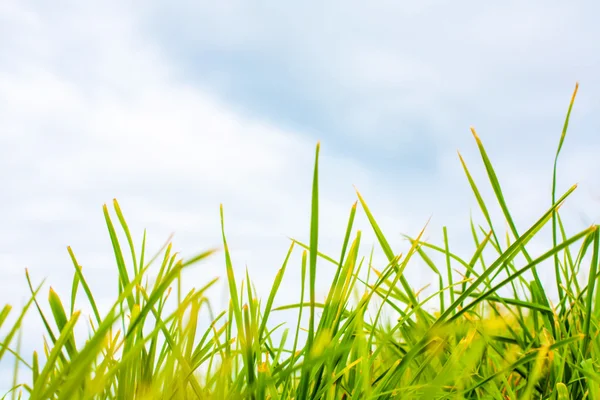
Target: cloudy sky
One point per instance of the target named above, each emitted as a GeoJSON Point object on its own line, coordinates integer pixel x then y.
{"type": "Point", "coordinates": [176, 107]}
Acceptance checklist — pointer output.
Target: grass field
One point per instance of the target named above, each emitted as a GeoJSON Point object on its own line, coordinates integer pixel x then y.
{"type": "Point", "coordinates": [495, 333]}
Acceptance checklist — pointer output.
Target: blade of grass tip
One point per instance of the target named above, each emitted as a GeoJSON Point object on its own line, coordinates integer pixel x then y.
{"type": "Point", "coordinates": [448, 263]}
{"type": "Point", "coordinates": [486, 214]}
{"type": "Point", "coordinates": [74, 288]}
{"type": "Point", "coordinates": [590, 292]}
{"type": "Point", "coordinates": [60, 318]}
{"type": "Point", "coordinates": [314, 241]}
{"type": "Point", "coordinates": [342, 256]}
{"type": "Point", "coordinates": [415, 246]}
{"type": "Point", "coordinates": [429, 262]}
{"type": "Point", "coordinates": [167, 263]}
{"type": "Point", "coordinates": [84, 284]}
{"type": "Point", "coordinates": [562, 392]}
{"type": "Point", "coordinates": [231, 280]}
{"type": "Point", "coordinates": [4, 313]}
{"type": "Point", "coordinates": [554, 230]}
{"type": "Point", "coordinates": [122, 268]}
{"type": "Point", "coordinates": [479, 198]}
{"type": "Point", "coordinates": [249, 295]}
{"type": "Point", "coordinates": [387, 249]}
{"type": "Point", "coordinates": [501, 201]}
{"type": "Point", "coordinates": [37, 305]}
{"type": "Point", "coordinates": [340, 291]}
{"type": "Point", "coordinates": [167, 244]}
{"type": "Point", "coordinates": [348, 231]}
{"type": "Point", "coordinates": [271, 298]}
{"type": "Point", "coordinates": [127, 234]}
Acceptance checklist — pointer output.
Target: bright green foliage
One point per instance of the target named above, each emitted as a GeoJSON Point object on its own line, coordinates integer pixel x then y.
{"type": "Point", "coordinates": [497, 334]}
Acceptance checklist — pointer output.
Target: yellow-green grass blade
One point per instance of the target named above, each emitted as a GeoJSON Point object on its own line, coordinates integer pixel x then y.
{"type": "Point", "coordinates": [340, 266]}
{"type": "Point", "coordinates": [485, 212]}
{"type": "Point", "coordinates": [589, 312]}
{"type": "Point", "coordinates": [272, 294]}
{"type": "Point", "coordinates": [314, 241]}
{"type": "Point", "coordinates": [74, 289]}
{"type": "Point", "coordinates": [562, 392]}
{"type": "Point", "coordinates": [81, 279]}
{"type": "Point", "coordinates": [127, 234]}
{"type": "Point", "coordinates": [60, 318]}
{"type": "Point", "coordinates": [4, 313]}
{"type": "Point", "coordinates": [41, 313]}
{"type": "Point", "coordinates": [478, 197]}
{"type": "Point", "coordinates": [448, 263]}
{"type": "Point", "coordinates": [122, 268]}
{"type": "Point", "coordinates": [502, 202]}
{"type": "Point", "coordinates": [248, 352]}
{"type": "Point", "coordinates": [554, 181]}
{"type": "Point", "coordinates": [231, 281]}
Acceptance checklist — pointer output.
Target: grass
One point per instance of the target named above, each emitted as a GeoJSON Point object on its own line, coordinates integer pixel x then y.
{"type": "Point", "coordinates": [495, 335]}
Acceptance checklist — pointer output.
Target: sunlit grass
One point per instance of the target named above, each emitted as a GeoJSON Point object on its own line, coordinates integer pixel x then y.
{"type": "Point", "coordinates": [495, 334]}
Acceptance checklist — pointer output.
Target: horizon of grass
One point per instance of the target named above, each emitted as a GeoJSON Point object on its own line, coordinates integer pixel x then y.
{"type": "Point", "coordinates": [494, 335]}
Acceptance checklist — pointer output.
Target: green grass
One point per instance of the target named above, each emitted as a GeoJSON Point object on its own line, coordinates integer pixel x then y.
{"type": "Point", "coordinates": [496, 333]}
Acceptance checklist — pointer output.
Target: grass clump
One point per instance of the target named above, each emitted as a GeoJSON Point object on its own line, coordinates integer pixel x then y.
{"type": "Point", "coordinates": [496, 334]}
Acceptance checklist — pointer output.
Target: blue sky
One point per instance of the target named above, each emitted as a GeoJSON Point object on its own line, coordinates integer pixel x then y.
{"type": "Point", "coordinates": [176, 107]}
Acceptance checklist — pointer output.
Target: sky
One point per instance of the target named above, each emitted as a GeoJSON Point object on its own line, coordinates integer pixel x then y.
{"type": "Point", "coordinates": [174, 108]}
